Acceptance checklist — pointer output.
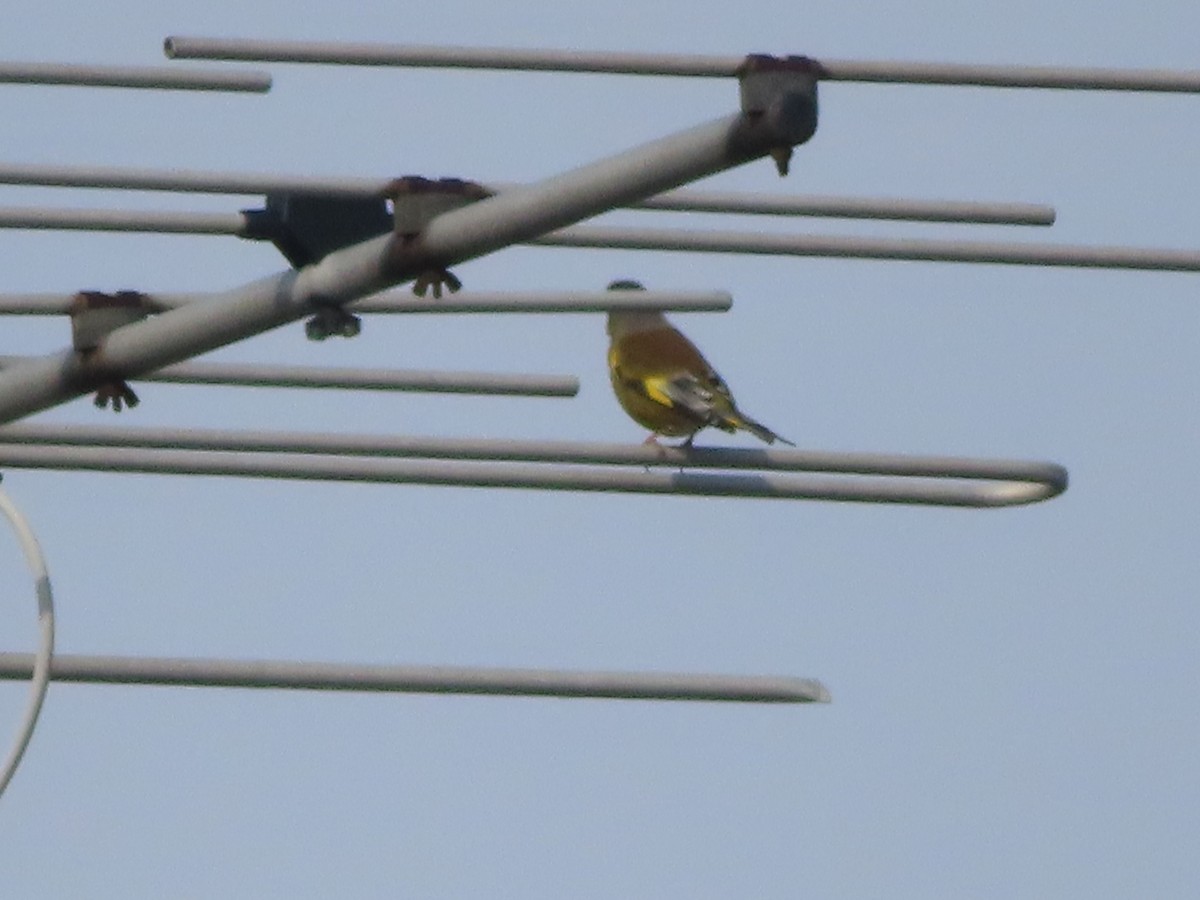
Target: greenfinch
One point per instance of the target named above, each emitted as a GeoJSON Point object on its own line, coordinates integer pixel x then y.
{"type": "Point", "coordinates": [664, 383]}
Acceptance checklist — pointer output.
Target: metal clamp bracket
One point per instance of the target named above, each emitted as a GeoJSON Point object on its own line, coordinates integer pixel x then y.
{"type": "Point", "coordinates": [416, 202]}
{"type": "Point", "coordinates": [95, 315]}
{"type": "Point", "coordinates": [780, 94]}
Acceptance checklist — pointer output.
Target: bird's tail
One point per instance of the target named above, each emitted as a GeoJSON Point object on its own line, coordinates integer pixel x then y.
{"type": "Point", "coordinates": [759, 430]}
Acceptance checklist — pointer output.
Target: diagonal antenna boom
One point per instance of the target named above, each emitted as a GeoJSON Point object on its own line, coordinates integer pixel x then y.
{"type": "Point", "coordinates": [363, 269]}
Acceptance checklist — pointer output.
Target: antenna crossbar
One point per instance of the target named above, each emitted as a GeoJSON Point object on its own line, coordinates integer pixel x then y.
{"type": "Point", "coordinates": [693, 65]}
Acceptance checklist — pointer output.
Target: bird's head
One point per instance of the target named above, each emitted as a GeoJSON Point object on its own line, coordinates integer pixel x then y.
{"type": "Point", "coordinates": [627, 321]}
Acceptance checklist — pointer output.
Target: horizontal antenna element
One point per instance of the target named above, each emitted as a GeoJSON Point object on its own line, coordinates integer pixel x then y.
{"type": "Point", "coordinates": [191, 181]}
{"type": "Point", "coordinates": [146, 222]}
{"type": "Point", "coordinates": [840, 247]}
{"type": "Point", "coordinates": [403, 302]}
{"type": "Point", "coordinates": [416, 381]}
{"type": "Point", "coordinates": [662, 456]}
{"type": "Point", "coordinates": [418, 56]}
{"type": "Point", "coordinates": [161, 77]}
{"type": "Point", "coordinates": [864, 478]}
{"type": "Point", "coordinates": [419, 679]}
{"type": "Point", "coordinates": [691, 241]}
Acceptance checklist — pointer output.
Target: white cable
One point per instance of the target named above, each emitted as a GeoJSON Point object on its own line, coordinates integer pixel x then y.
{"type": "Point", "coordinates": [41, 667]}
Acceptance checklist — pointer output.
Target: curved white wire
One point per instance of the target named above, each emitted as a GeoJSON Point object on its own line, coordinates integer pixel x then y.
{"type": "Point", "coordinates": [41, 666]}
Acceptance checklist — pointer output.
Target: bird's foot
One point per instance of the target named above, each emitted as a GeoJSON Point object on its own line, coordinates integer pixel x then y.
{"type": "Point", "coordinates": [436, 278]}
{"type": "Point", "coordinates": [652, 441]}
{"type": "Point", "coordinates": [686, 446]}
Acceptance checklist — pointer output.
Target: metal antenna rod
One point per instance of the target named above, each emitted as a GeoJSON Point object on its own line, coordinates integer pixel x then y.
{"type": "Point", "coordinates": [234, 224]}
{"type": "Point", "coordinates": [190, 181]}
{"type": "Point", "coordinates": [894, 209]}
{"type": "Point", "coordinates": [419, 679]}
{"type": "Point", "coordinates": [841, 247]}
{"type": "Point", "coordinates": [367, 268]}
{"type": "Point", "coordinates": [550, 302]}
{"type": "Point", "coordinates": [410, 380]}
{"type": "Point", "coordinates": [366, 54]}
{"type": "Point", "coordinates": [693, 241]}
{"type": "Point", "coordinates": [162, 222]}
{"type": "Point", "coordinates": [583, 452]}
{"type": "Point", "coordinates": [403, 302]}
{"type": "Point", "coordinates": [917, 491]}
{"type": "Point", "coordinates": [160, 77]}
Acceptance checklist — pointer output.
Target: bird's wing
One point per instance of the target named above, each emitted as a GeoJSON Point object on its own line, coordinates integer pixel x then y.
{"type": "Point", "coordinates": [688, 392]}
{"type": "Point", "coordinates": [666, 367]}
{"type": "Point", "coordinates": [709, 401]}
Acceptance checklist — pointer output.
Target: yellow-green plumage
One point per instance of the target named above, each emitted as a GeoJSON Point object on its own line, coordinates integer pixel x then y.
{"type": "Point", "coordinates": [664, 382]}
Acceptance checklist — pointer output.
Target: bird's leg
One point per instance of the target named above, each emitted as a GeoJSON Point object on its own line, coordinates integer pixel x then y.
{"type": "Point", "coordinates": [108, 385]}
{"type": "Point", "coordinates": [436, 278]}
{"type": "Point", "coordinates": [118, 392]}
{"type": "Point", "coordinates": [652, 441]}
{"type": "Point", "coordinates": [416, 202]}
{"type": "Point", "coordinates": [686, 445]}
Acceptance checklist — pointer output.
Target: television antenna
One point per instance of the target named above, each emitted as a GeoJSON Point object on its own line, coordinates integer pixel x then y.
{"type": "Point", "coordinates": [351, 239]}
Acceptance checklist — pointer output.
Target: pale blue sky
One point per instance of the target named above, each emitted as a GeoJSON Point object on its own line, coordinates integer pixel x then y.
{"type": "Point", "coordinates": [1015, 708]}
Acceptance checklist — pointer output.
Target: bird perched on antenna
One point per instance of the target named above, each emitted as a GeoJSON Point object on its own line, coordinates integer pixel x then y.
{"type": "Point", "coordinates": [665, 383]}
